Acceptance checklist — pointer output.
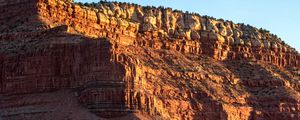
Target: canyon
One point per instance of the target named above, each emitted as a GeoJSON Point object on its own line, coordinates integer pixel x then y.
{"type": "Point", "coordinates": [64, 61]}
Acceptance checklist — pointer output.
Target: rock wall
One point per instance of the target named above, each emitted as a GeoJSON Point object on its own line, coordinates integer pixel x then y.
{"type": "Point", "coordinates": [121, 58]}
{"type": "Point", "coordinates": [132, 24]}
{"type": "Point", "coordinates": [88, 21]}
{"type": "Point", "coordinates": [63, 61]}
{"type": "Point", "coordinates": [199, 91]}
{"type": "Point", "coordinates": [155, 27]}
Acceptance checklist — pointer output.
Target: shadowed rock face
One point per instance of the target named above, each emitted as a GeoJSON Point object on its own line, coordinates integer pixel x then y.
{"type": "Point", "coordinates": [59, 60]}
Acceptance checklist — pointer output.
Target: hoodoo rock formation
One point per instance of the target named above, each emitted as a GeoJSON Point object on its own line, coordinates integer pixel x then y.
{"type": "Point", "coordinates": [64, 61]}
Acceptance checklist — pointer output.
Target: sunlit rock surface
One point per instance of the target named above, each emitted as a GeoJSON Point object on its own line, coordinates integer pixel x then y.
{"type": "Point", "coordinates": [63, 61]}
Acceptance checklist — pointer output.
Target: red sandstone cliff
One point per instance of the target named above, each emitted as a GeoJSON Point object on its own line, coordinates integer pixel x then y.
{"type": "Point", "coordinates": [60, 60]}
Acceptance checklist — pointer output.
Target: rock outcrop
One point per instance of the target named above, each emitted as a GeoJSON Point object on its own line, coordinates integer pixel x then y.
{"type": "Point", "coordinates": [114, 60]}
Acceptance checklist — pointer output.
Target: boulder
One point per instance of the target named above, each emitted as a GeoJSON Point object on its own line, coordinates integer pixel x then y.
{"type": "Point", "coordinates": [239, 41]}
{"type": "Point", "coordinates": [217, 37]}
{"type": "Point", "coordinates": [256, 43]}
{"type": "Point", "coordinates": [193, 22]}
{"type": "Point", "coordinates": [195, 35]}
{"type": "Point", "coordinates": [266, 43]}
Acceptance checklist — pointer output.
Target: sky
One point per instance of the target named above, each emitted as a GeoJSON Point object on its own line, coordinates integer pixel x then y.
{"type": "Point", "coordinates": [280, 17]}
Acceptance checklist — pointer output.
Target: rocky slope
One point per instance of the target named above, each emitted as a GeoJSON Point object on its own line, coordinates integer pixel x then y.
{"type": "Point", "coordinates": [61, 60]}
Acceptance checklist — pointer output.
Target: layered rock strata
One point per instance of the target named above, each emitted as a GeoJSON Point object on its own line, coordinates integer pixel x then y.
{"type": "Point", "coordinates": [221, 39]}
{"type": "Point", "coordinates": [117, 59]}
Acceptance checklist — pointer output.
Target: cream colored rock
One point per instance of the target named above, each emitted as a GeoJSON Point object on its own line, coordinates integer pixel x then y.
{"type": "Point", "coordinates": [279, 46]}
{"type": "Point", "coordinates": [173, 21]}
{"type": "Point", "coordinates": [229, 30]}
{"type": "Point", "coordinates": [229, 40]}
{"type": "Point", "coordinates": [158, 75]}
{"type": "Point", "coordinates": [163, 33]}
{"type": "Point", "coordinates": [123, 23]}
{"type": "Point", "coordinates": [259, 36]}
{"type": "Point", "coordinates": [129, 11]}
{"type": "Point", "coordinates": [221, 39]}
{"type": "Point", "coordinates": [149, 23]}
{"type": "Point", "coordinates": [203, 23]}
{"type": "Point", "coordinates": [248, 43]}
{"type": "Point", "coordinates": [146, 27]}
{"type": "Point", "coordinates": [284, 49]}
{"type": "Point", "coordinates": [193, 22]}
{"type": "Point", "coordinates": [256, 43]}
{"type": "Point", "coordinates": [266, 43]}
{"type": "Point", "coordinates": [274, 45]}
{"type": "Point", "coordinates": [91, 15]}
{"type": "Point", "coordinates": [222, 29]}
{"type": "Point", "coordinates": [116, 10]}
{"type": "Point", "coordinates": [237, 33]}
{"type": "Point", "coordinates": [150, 19]}
{"type": "Point", "coordinates": [166, 19]}
{"type": "Point", "coordinates": [103, 18]}
{"type": "Point", "coordinates": [188, 34]}
{"type": "Point", "coordinates": [158, 15]}
{"type": "Point", "coordinates": [217, 37]}
{"type": "Point", "coordinates": [139, 14]}
{"type": "Point", "coordinates": [103, 9]}
{"type": "Point", "coordinates": [239, 41]}
{"type": "Point", "coordinates": [211, 25]}
{"type": "Point", "coordinates": [179, 33]}
{"type": "Point", "coordinates": [180, 22]}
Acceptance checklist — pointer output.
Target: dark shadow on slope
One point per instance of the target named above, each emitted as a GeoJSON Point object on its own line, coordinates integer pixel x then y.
{"type": "Point", "coordinates": [267, 92]}
{"type": "Point", "coordinates": [54, 60]}
{"type": "Point", "coordinates": [199, 90]}
{"type": "Point", "coordinates": [36, 58]}
{"type": "Point", "coordinates": [211, 109]}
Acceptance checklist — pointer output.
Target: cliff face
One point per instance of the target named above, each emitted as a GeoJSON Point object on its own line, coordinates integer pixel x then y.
{"type": "Point", "coordinates": [60, 60]}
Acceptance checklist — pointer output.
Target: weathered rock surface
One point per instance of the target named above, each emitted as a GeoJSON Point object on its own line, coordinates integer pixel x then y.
{"type": "Point", "coordinates": [60, 60]}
